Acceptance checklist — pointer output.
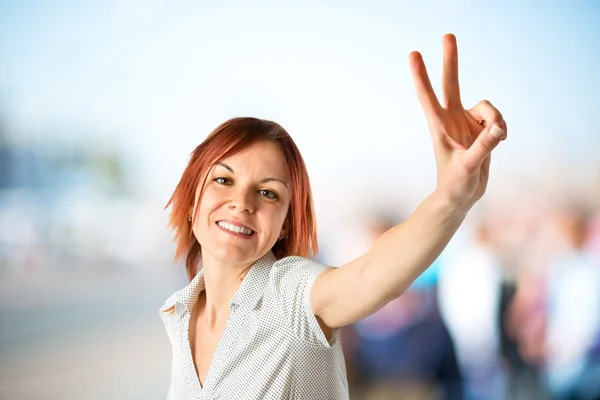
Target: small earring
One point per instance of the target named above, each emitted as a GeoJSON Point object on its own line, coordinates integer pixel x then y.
{"type": "Point", "coordinates": [190, 218]}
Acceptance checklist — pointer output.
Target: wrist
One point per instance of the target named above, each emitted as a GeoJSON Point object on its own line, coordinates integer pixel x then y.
{"type": "Point", "coordinates": [448, 206]}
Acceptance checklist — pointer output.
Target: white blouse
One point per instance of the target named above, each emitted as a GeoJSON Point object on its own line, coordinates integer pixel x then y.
{"type": "Point", "coordinates": [272, 346]}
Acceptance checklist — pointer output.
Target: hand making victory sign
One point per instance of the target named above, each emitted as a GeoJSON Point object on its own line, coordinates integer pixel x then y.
{"type": "Point", "coordinates": [462, 139]}
{"type": "Point", "coordinates": [462, 142]}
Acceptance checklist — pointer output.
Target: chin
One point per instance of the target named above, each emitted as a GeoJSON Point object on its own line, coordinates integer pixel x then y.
{"type": "Point", "coordinates": [233, 255]}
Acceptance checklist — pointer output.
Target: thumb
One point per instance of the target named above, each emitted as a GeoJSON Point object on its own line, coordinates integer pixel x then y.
{"type": "Point", "coordinates": [487, 141]}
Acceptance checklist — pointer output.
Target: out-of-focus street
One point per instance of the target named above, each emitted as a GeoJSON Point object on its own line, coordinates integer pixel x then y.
{"type": "Point", "coordinates": [103, 341]}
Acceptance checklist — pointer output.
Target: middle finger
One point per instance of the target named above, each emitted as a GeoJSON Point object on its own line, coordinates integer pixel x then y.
{"type": "Point", "coordinates": [450, 85]}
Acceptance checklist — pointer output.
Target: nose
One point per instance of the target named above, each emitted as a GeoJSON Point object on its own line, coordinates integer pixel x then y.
{"type": "Point", "coordinates": [242, 201]}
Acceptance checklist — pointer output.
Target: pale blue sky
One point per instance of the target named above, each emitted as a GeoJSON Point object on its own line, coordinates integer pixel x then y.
{"type": "Point", "coordinates": [158, 75]}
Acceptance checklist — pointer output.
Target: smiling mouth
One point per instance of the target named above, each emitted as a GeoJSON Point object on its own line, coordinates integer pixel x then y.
{"type": "Point", "coordinates": [235, 229]}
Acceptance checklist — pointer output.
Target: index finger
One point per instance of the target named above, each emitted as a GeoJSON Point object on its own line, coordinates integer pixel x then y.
{"type": "Point", "coordinates": [427, 98]}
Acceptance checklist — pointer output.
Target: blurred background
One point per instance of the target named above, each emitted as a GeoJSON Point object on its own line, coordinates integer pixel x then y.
{"type": "Point", "coordinates": [102, 101]}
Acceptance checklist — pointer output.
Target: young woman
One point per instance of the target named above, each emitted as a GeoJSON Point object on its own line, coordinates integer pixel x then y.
{"type": "Point", "coordinates": [259, 319]}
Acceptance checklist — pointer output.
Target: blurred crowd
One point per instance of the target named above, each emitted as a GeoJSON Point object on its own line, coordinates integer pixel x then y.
{"type": "Point", "coordinates": [510, 310]}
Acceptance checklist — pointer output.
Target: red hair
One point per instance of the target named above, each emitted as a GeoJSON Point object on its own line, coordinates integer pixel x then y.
{"type": "Point", "coordinates": [227, 139]}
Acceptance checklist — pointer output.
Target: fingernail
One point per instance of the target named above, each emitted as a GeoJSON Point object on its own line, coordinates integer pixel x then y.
{"type": "Point", "coordinates": [496, 131]}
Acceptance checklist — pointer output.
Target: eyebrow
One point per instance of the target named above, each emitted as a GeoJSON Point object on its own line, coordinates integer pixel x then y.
{"type": "Point", "coordinates": [265, 180]}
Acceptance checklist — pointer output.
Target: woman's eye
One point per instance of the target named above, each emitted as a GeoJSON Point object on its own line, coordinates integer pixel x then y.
{"type": "Point", "coordinates": [223, 181]}
{"type": "Point", "coordinates": [268, 194]}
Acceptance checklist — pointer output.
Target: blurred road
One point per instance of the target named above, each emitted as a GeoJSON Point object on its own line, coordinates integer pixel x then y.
{"type": "Point", "coordinates": [84, 341]}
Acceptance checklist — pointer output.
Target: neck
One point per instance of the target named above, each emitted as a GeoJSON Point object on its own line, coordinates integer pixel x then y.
{"type": "Point", "coordinates": [221, 282]}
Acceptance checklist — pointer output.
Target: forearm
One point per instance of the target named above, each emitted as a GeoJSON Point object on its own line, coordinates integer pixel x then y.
{"type": "Point", "coordinates": [402, 253]}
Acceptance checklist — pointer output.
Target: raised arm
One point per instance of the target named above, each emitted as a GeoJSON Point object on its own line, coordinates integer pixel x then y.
{"type": "Point", "coordinates": [462, 142]}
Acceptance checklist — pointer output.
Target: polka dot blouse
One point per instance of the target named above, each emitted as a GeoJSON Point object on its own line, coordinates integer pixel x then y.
{"type": "Point", "coordinates": [272, 346]}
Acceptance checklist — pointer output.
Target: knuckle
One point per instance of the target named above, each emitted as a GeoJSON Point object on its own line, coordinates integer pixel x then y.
{"type": "Point", "coordinates": [489, 112]}
{"type": "Point", "coordinates": [485, 103]}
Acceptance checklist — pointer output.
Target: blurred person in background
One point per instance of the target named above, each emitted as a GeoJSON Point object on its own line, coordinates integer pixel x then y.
{"type": "Point", "coordinates": [523, 328]}
{"type": "Point", "coordinates": [593, 241]}
{"type": "Point", "coordinates": [259, 319]}
{"type": "Point", "coordinates": [522, 243]}
{"type": "Point", "coordinates": [573, 312]}
{"type": "Point", "coordinates": [469, 294]}
{"type": "Point", "coordinates": [403, 350]}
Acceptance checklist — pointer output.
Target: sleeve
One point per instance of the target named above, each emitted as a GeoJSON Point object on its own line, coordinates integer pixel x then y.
{"type": "Point", "coordinates": [294, 279]}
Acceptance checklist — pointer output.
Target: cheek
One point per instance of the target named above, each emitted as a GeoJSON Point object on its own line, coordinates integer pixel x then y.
{"type": "Point", "coordinates": [273, 221]}
{"type": "Point", "coordinates": [203, 216]}
{"type": "Point", "coordinates": [283, 218]}
{"type": "Point", "coordinates": [208, 203]}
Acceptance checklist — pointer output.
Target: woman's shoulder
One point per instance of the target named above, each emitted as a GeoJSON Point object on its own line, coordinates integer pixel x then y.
{"type": "Point", "coordinates": [293, 271]}
{"type": "Point", "coordinates": [296, 264]}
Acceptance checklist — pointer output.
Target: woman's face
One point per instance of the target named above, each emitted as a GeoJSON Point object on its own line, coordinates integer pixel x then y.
{"type": "Point", "coordinates": [244, 206]}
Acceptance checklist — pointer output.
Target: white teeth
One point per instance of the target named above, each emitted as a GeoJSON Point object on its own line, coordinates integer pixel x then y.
{"type": "Point", "coordinates": [237, 229]}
